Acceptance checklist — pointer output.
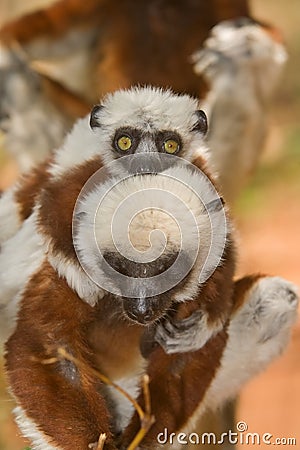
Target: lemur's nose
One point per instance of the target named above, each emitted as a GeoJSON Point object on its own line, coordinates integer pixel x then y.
{"type": "Point", "coordinates": [141, 164]}
{"type": "Point", "coordinates": [145, 310]}
{"type": "Point", "coordinates": [139, 310]}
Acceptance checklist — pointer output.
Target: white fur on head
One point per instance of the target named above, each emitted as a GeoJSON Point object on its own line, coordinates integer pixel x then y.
{"type": "Point", "coordinates": [152, 109]}
{"type": "Point", "coordinates": [148, 109]}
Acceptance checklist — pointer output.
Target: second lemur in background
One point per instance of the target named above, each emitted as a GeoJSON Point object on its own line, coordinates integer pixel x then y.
{"type": "Point", "coordinates": [72, 54]}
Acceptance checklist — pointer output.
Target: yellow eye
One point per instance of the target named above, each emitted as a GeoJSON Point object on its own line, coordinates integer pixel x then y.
{"type": "Point", "coordinates": [124, 143]}
{"type": "Point", "coordinates": [171, 146]}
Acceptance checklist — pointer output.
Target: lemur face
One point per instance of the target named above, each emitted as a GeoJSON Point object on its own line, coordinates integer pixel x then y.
{"type": "Point", "coordinates": [152, 121]}
{"type": "Point", "coordinates": [152, 135]}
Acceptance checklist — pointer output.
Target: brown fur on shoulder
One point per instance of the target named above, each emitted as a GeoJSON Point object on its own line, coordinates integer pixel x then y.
{"type": "Point", "coordinates": [29, 187]}
{"type": "Point", "coordinates": [57, 203]}
{"type": "Point", "coordinates": [53, 21]}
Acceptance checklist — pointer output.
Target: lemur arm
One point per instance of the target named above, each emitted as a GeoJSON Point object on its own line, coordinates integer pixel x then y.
{"type": "Point", "coordinates": [182, 385]}
{"type": "Point", "coordinates": [241, 60]}
{"type": "Point", "coordinates": [197, 321]}
{"type": "Point", "coordinates": [52, 21]}
{"type": "Point", "coordinates": [60, 406]}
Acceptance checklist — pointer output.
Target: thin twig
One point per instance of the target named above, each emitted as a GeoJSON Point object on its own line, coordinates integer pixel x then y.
{"type": "Point", "coordinates": [101, 442]}
{"type": "Point", "coordinates": [148, 418]}
{"type": "Point", "coordinates": [146, 392]}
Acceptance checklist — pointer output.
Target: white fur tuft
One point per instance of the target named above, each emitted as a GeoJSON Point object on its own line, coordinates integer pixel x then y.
{"type": "Point", "coordinates": [20, 257]}
{"type": "Point", "coordinates": [30, 431]}
{"type": "Point", "coordinates": [76, 279]}
{"type": "Point", "coordinates": [10, 219]}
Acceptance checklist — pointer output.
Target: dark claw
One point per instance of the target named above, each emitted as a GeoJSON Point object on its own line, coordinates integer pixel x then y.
{"type": "Point", "coordinates": [185, 324]}
{"type": "Point", "coordinates": [291, 296]}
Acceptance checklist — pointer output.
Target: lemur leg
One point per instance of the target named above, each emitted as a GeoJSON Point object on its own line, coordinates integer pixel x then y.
{"type": "Point", "coordinates": [184, 385]}
{"type": "Point", "coordinates": [53, 21]}
{"type": "Point", "coordinates": [266, 308]}
{"type": "Point", "coordinates": [59, 405]}
{"type": "Point", "coordinates": [35, 112]}
{"type": "Point", "coordinates": [241, 61]}
{"type": "Point", "coordinates": [258, 332]}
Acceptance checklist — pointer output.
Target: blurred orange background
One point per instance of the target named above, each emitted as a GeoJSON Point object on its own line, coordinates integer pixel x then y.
{"type": "Point", "coordinates": [267, 217]}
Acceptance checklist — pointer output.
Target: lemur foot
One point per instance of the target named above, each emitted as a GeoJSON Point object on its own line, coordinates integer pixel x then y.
{"type": "Point", "coordinates": [258, 332]}
{"type": "Point", "coordinates": [270, 311]}
{"type": "Point", "coordinates": [190, 334]}
{"type": "Point", "coordinates": [241, 47]}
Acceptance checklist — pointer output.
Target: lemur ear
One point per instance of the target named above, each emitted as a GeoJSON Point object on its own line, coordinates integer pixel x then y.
{"type": "Point", "coordinates": [201, 124]}
{"type": "Point", "coordinates": [94, 123]}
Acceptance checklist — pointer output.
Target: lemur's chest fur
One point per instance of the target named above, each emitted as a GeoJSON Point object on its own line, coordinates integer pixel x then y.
{"type": "Point", "coordinates": [116, 344]}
